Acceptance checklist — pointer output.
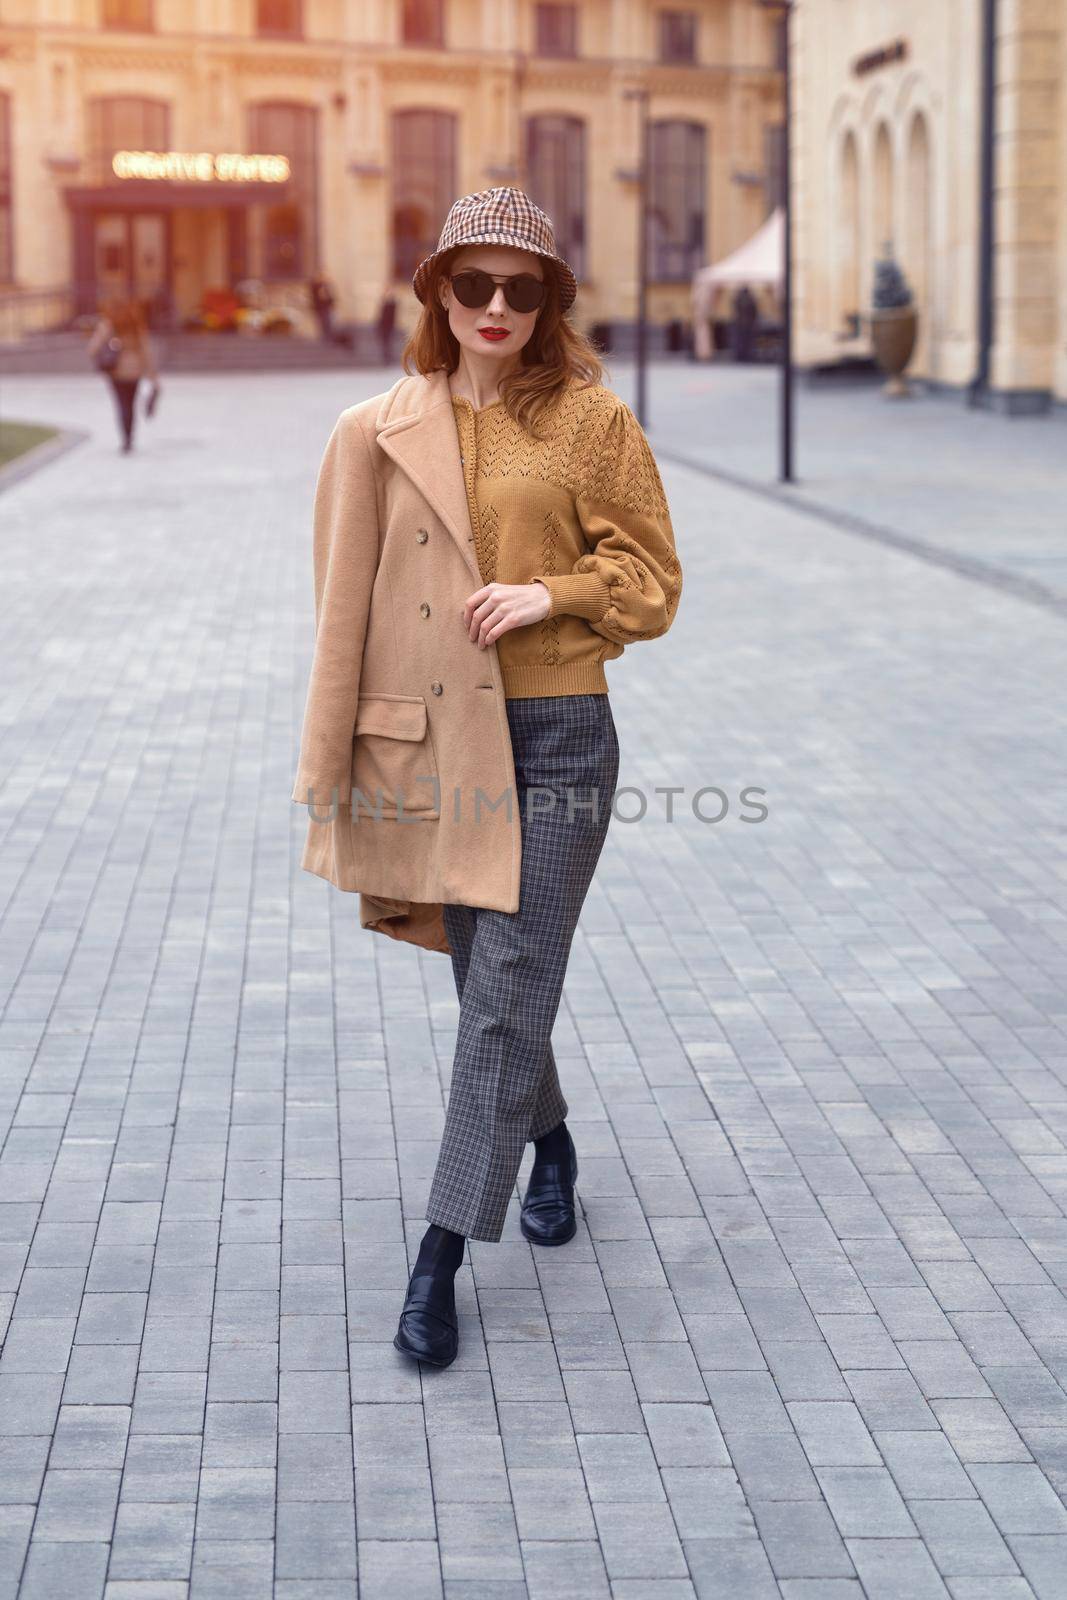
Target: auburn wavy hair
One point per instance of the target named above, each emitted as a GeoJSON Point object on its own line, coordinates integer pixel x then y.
{"type": "Point", "coordinates": [128, 319]}
{"type": "Point", "coordinates": [555, 354]}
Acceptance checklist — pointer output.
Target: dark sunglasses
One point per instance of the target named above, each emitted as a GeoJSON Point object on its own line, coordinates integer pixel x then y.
{"type": "Point", "coordinates": [474, 288]}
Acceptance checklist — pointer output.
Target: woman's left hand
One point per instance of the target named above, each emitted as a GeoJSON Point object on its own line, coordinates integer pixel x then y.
{"type": "Point", "coordinates": [491, 611]}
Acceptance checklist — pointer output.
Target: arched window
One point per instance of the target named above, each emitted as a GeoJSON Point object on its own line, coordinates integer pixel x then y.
{"type": "Point", "coordinates": [289, 242]}
{"type": "Point", "coordinates": [7, 242]}
{"type": "Point", "coordinates": [846, 254]}
{"type": "Point", "coordinates": [676, 200]}
{"type": "Point", "coordinates": [555, 168]}
{"type": "Point", "coordinates": [918, 262]}
{"type": "Point", "coordinates": [424, 184]}
{"type": "Point", "coordinates": [882, 215]}
{"type": "Point", "coordinates": [125, 122]}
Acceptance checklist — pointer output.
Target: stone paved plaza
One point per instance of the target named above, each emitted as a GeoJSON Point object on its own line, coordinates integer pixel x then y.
{"type": "Point", "coordinates": [811, 1338]}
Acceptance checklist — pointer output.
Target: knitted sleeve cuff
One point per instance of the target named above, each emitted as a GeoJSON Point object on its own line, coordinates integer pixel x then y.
{"type": "Point", "coordinates": [581, 594]}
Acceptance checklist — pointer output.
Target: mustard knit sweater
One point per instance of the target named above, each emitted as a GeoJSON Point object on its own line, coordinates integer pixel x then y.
{"type": "Point", "coordinates": [583, 512]}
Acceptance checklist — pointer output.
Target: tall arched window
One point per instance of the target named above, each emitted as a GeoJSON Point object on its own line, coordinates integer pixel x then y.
{"type": "Point", "coordinates": [846, 254]}
{"type": "Point", "coordinates": [289, 243]}
{"type": "Point", "coordinates": [125, 122]}
{"type": "Point", "coordinates": [677, 199]}
{"type": "Point", "coordinates": [882, 196]}
{"type": "Point", "coordinates": [555, 168]}
{"type": "Point", "coordinates": [918, 261]}
{"type": "Point", "coordinates": [424, 184]}
{"type": "Point", "coordinates": [7, 242]}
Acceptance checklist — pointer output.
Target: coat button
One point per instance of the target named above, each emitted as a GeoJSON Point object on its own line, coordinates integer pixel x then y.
{"type": "Point", "coordinates": [422, 536]}
{"type": "Point", "coordinates": [436, 687]}
{"type": "Point", "coordinates": [424, 610]}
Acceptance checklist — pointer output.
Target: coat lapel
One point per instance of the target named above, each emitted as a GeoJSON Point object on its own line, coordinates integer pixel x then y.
{"type": "Point", "coordinates": [423, 442]}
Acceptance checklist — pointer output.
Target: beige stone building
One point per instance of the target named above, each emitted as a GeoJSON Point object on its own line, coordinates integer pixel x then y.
{"type": "Point", "coordinates": [888, 124]}
{"type": "Point", "coordinates": [121, 124]}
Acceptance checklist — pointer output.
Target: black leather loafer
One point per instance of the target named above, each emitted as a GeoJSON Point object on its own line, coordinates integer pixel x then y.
{"type": "Point", "coordinates": [429, 1328]}
{"type": "Point", "coordinates": [547, 1215]}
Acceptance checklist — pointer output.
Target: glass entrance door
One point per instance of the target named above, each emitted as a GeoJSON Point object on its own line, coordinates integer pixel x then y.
{"type": "Point", "coordinates": [111, 266]}
{"type": "Point", "coordinates": [131, 258]}
{"type": "Point", "coordinates": [148, 256]}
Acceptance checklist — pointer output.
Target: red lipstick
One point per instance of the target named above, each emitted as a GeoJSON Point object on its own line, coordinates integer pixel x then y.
{"type": "Point", "coordinates": [494, 335]}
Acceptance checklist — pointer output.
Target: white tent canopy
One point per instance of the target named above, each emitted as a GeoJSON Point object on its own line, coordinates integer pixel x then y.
{"type": "Point", "coordinates": [757, 262]}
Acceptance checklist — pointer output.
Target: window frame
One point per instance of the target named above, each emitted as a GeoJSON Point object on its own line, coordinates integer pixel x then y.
{"type": "Point", "coordinates": [674, 260]}
{"type": "Point", "coordinates": [440, 137]}
{"type": "Point", "coordinates": [665, 19]}
{"type": "Point", "coordinates": [304, 185]}
{"type": "Point", "coordinates": [124, 24]}
{"type": "Point", "coordinates": [293, 31]}
{"type": "Point", "coordinates": [548, 11]}
{"type": "Point", "coordinates": [410, 36]}
{"type": "Point", "coordinates": [570, 136]}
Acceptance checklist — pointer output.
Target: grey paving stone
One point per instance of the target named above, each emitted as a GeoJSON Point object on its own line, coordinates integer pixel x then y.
{"type": "Point", "coordinates": [556, 1569]}
{"type": "Point", "coordinates": [747, 1402]}
{"type": "Point", "coordinates": [804, 1370]}
{"type": "Point", "coordinates": [620, 1466]}
{"type": "Point", "coordinates": [639, 1540]}
{"type": "Point", "coordinates": [29, 1401]}
{"type": "Point", "coordinates": [169, 1402]}
{"type": "Point", "coordinates": [412, 1568]}
{"type": "Point", "coordinates": [1019, 1497]}
{"type": "Point", "coordinates": [237, 1568]}
{"type": "Point", "coordinates": [833, 1434]}
{"type": "Point", "coordinates": [801, 1540]}
{"type": "Point", "coordinates": [890, 1400]}
{"type": "Point", "coordinates": [161, 1467]}
{"type": "Point", "coordinates": [925, 1466]}
{"type": "Point", "coordinates": [243, 1372]}
{"type": "Point", "coordinates": [64, 1568]}
{"type": "Point", "coordinates": [865, 1504]}
{"type": "Point", "coordinates": [77, 1505]}
{"type": "Point", "coordinates": [235, 1503]}
{"type": "Point", "coordinates": [90, 1436]}
{"type": "Point", "coordinates": [772, 1466]}
{"type": "Point", "coordinates": [979, 1430]}
{"type": "Point", "coordinates": [889, 1568]}
{"type": "Point", "coordinates": [685, 1434]}
{"type": "Point", "coordinates": [152, 1542]}
{"type": "Point", "coordinates": [315, 1540]}
{"type": "Point", "coordinates": [1041, 1559]}
{"type": "Point", "coordinates": [962, 1539]}
{"type": "Point", "coordinates": [731, 1566]}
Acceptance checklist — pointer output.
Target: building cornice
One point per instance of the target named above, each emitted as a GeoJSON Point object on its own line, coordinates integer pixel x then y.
{"type": "Point", "coordinates": [322, 57]}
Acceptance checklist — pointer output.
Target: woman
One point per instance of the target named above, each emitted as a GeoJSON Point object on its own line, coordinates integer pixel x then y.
{"type": "Point", "coordinates": [534, 490]}
{"type": "Point", "coordinates": [122, 332]}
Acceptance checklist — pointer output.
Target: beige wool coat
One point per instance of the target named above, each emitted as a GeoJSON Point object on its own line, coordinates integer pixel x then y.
{"type": "Point", "coordinates": [405, 752]}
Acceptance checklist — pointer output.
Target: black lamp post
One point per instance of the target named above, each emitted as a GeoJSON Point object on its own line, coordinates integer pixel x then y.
{"type": "Point", "coordinates": [640, 94]}
{"type": "Point", "coordinates": [785, 412]}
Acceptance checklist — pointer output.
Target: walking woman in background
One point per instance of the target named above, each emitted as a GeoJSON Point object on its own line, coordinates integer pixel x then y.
{"type": "Point", "coordinates": [488, 533]}
{"type": "Point", "coordinates": [121, 348]}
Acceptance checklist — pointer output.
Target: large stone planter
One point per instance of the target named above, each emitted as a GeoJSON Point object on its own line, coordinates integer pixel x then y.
{"type": "Point", "coordinates": [893, 334]}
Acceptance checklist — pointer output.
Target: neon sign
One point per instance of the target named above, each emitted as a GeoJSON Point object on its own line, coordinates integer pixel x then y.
{"type": "Point", "coordinates": [199, 166]}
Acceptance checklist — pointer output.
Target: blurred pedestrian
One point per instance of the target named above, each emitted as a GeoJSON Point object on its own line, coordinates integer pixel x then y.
{"type": "Point", "coordinates": [746, 315]}
{"type": "Point", "coordinates": [121, 348]}
{"type": "Point", "coordinates": [323, 301]}
{"type": "Point", "coordinates": [386, 325]}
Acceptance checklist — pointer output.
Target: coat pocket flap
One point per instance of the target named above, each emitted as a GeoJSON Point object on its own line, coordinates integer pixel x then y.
{"type": "Point", "coordinates": [398, 716]}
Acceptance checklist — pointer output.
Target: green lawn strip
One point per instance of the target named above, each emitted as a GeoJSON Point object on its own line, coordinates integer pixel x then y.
{"type": "Point", "coordinates": [18, 437]}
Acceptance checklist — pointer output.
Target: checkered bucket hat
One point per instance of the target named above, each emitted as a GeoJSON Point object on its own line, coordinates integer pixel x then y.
{"type": "Point", "coordinates": [499, 216]}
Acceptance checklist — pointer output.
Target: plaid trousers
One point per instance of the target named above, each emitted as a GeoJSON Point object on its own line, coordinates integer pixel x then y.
{"type": "Point", "coordinates": [509, 967]}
